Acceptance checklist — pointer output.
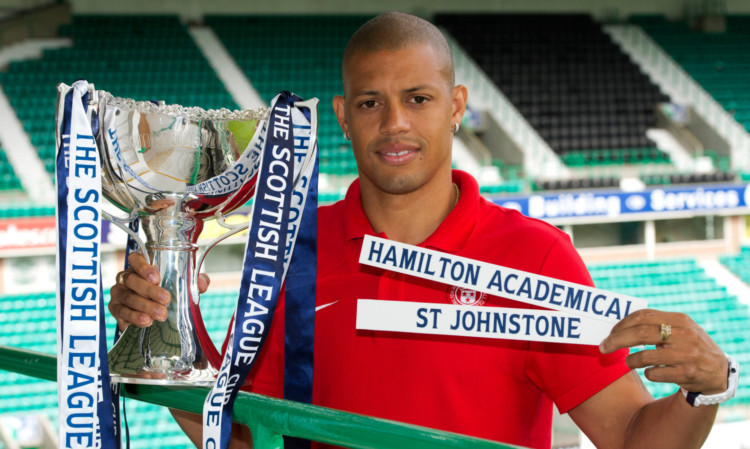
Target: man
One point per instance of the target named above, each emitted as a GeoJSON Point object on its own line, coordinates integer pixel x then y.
{"type": "Point", "coordinates": [400, 110]}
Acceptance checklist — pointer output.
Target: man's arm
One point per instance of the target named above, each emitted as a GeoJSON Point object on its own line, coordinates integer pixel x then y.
{"type": "Point", "coordinates": [624, 415]}
{"type": "Point", "coordinates": [193, 427]}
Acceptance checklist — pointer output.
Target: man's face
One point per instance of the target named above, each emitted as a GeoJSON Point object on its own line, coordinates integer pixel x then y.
{"type": "Point", "coordinates": [399, 109]}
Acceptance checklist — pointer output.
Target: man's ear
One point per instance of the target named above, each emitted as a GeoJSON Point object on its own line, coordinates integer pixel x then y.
{"type": "Point", "coordinates": [339, 110]}
{"type": "Point", "coordinates": [459, 97]}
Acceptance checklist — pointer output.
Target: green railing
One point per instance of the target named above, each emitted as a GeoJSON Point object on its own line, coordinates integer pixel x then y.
{"type": "Point", "coordinates": [270, 418]}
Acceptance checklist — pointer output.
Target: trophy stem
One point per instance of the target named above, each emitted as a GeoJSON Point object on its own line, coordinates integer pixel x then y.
{"type": "Point", "coordinates": [167, 352]}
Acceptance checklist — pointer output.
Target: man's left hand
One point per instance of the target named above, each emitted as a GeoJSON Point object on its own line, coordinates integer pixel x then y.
{"type": "Point", "coordinates": [688, 357]}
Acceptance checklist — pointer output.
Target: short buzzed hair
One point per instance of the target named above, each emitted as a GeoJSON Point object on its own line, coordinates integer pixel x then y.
{"type": "Point", "coordinates": [397, 30]}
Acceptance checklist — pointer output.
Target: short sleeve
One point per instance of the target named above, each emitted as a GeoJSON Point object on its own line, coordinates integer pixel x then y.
{"type": "Point", "coordinates": [570, 374]}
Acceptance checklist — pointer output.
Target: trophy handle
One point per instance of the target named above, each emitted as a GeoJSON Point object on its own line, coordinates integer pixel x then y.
{"type": "Point", "coordinates": [233, 229]}
{"type": "Point", "coordinates": [122, 223]}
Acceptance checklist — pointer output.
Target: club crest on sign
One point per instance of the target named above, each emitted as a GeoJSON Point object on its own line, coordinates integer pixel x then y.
{"type": "Point", "coordinates": [465, 296]}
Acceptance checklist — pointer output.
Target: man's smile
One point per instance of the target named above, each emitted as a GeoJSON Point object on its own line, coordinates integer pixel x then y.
{"type": "Point", "coordinates": [397, 153]}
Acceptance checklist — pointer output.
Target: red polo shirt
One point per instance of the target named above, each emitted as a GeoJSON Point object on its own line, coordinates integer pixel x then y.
{"type": "Point", "coordinates": [496, 389]}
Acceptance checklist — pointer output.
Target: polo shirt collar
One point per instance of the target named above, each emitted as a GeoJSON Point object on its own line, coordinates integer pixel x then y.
{"type": "Point", "coordinates": [450, 236]}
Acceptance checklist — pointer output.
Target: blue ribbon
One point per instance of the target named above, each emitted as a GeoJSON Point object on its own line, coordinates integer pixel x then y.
{"type": "Point", "coordinates": [108, 409]}
{"type": "Point", "coordinates": [104, 408]}
{"type": "Point", "coordinates": [299, 316]}
{"type": "Point", "coordinates": [61, 176]}
{"type": "Point", "coordinates": [263, 267]}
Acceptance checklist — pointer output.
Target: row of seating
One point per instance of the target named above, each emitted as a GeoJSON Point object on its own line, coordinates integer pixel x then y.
{"type": "Point", "coordinates": [647, 268]}
{"type": "Point", "coordinates": [616, 156]}
{"type": "Point", "coordinates": [688, 178]}
{"type": "Point", "coordinates": [516, 186]}
{"type": "Point", "coordinates": [577, 183]}
{"type": "Point", "coordinates": [596, 182]}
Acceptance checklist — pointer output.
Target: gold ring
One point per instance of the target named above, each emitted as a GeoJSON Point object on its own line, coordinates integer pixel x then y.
{"type": "Point", "coordinates": [120, 279]}
{"type": "Point", "coordinates": [666, 332]}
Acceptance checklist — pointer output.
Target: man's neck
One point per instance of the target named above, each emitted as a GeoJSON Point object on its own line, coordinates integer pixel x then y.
{"type": "Point", "coordinates": [410, 217]}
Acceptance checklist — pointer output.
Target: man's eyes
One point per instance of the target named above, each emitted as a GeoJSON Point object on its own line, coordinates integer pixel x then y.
{"type": "Point", "coordinates": [417, 99]}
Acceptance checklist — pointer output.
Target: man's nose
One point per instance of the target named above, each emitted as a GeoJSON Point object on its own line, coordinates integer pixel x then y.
{"type": "Point", "coordinates": [394, 119]}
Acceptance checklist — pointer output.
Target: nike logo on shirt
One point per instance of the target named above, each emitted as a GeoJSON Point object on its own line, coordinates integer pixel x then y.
{"type": "Point", "coordinates": [325, 305]}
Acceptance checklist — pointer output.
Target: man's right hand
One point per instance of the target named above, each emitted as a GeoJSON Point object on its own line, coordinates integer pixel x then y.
{"type": "Point", "coordinates": [137, 298]}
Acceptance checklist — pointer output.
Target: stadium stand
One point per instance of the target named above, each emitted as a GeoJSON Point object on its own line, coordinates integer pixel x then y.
{"type": "Point", "coordinates": [25, 209]}
{"type": "Point", "coordinates": [572, 184]}
{"type": "Point", "coordinates": [681, 285]}
{"type": "Point", "coordinates": [582, 95]}
{"type": "Point", "coordinates": [575, 87]}
{"type": "Point", "coordinates": [8, 178]}
{"type": "Point", "coordinates": [27, 314]}
{"type": "Point", "coordinates": [139, 57]}
{"type": "Point", "coordinates": [677, 285]}
{"type": "Point", "coordinates": [307, 62]}
{"type": "Point", "coordinates": [688, 178]}
{"type": "Point", "coordinates": [718, 61]}
{"type": "Point", "coordinates": [739, 264]}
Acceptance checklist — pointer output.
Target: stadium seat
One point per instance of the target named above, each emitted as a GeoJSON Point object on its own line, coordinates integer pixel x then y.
{"type": "Point", "coordinates": [574, 86]}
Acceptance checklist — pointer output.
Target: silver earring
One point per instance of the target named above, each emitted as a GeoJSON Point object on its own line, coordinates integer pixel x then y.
{"type": "Point", "coordinates": [347, 136]}
{"type": "Point", "coordinates": [455, 127]}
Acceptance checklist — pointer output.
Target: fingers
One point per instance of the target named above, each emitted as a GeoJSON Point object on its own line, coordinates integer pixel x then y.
{"type": "Point", "coordinates": [663, 355]}
{"type": "Point", "coordinates": [642, 327]}
{"type": "Point", "coordinates": [138, 263]}
{"type": "Point", "coordinates": [137, 298]}
{"type": "Point", "coordinates": [129, 308]}
{"type": "Point", "coordinates": [692, 379]}
{"type": "Point", "coordinates": [144, 288]}
{"type": "Point", "coordinates": [688, 357]}
{"type": "Point", "coordinates": [203, 282]}
{"type": "Point", "coordinates": [160, 204]}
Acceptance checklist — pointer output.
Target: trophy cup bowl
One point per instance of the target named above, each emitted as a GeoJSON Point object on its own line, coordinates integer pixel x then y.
{"type": "Point", "coordinates": [172, 167]}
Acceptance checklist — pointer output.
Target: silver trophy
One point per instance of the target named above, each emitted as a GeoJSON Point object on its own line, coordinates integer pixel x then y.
{"type": "Point", "coordinates": [174, 167]}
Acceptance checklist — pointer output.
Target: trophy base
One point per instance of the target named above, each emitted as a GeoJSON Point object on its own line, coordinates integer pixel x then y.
{"type": "Point", "coordinates": [156, 355]}
{"type": "Point", "coordinates": [195, 378]}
